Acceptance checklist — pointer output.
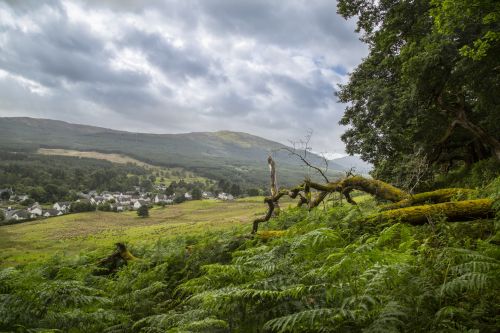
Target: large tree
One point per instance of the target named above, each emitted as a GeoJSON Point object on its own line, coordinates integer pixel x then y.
{"type": "Point", "coordinates": [429, 88]}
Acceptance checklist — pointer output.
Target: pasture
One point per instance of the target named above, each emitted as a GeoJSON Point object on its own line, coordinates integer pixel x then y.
{"type": "Point", "coordinates": [83, 233]}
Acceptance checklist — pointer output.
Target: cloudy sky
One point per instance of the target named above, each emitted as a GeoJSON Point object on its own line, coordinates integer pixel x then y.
{"type": "Point", "coordinates": [266, 67]}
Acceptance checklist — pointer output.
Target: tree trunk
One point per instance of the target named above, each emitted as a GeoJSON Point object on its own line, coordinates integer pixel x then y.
{"type": "Point", "coordinates": [116, 260]}
{"type": "Point", "coordinates": [454, 211]}
{"type": "Point", "coordinates": [459, 112]}
{"type": "Point", "coordinates": [274, 183]}
{"type": "Point", "coordinates": [438, 196]}
{"type": "Point", "coordinates": [485, 138]}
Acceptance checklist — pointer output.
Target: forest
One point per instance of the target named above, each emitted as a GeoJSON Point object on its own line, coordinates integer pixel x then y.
{"type": "Point", "coordinates": [48, 179]}
{"type": "Point", "coordinates": [356, 254]}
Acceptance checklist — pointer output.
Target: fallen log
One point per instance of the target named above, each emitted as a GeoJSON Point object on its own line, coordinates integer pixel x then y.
{"type": "Point", "coordinates": [437, 196]}
{"type": "Point", "coordinates": [377, 188]}
{"type": "Point", "coordinates": [403, 206]}
{"type": "Point", "coordinates": [114, 261]}
{"type": "Point", "coordinates": [453, 211]}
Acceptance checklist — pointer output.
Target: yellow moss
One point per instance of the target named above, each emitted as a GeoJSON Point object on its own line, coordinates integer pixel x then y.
{"type": "Point", "coordinates": [268, 234]}
{"type": "Point", "coordinates": [437, 196]}
{"type": "Point", "coordinates": [127, 255]}
{"type": "Point", "coordinates": [454, 211]}
{"type": "Point", "coordinates": [375, 187]}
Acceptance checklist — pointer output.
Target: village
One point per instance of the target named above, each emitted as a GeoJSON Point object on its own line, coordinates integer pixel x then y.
{"type": "Point", "coordinates": [93, 200]}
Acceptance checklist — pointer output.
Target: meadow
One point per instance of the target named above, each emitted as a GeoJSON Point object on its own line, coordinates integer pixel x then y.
{"type": "Point", "coordinates": [97, 231]}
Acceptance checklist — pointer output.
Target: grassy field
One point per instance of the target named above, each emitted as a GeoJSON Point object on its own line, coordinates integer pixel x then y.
{"type": "Point", "coordinates": [98, 231]}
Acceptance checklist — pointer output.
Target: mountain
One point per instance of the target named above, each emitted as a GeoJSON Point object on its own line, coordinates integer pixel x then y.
{"type": "Point", "coordinates": [354, 162]}
{"type": "Point", "coordinates": [236, 156]}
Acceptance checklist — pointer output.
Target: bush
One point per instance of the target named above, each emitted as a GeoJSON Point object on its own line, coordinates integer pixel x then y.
{"type": "Point", "coordinates": [82, 206]}
{"type": "Point", "coordinates": [179, 199]}
{"type": "Point", "coordinates": [105, 207]}
{"type": "Point", "coordinates": [143, 211]}
{"type": "Point", "coordinates": [196, 193]}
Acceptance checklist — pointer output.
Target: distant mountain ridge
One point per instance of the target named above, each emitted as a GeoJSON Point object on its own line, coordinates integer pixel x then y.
{"type": "Point", "coordinates": [233, 155]}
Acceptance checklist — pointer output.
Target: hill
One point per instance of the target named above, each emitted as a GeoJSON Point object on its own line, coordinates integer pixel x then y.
{"type": "Point", "coordinates": [236, 156]}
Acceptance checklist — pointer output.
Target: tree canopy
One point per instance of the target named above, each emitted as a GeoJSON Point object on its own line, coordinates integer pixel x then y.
{"type": "Point", "coordinates": [428, 90]}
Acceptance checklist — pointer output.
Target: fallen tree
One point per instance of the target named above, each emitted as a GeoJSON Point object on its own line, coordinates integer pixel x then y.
{"type": "Point", "coordinates": [113, 262]}
{"type": "Point", "coordinates": [405, 207]}
{"type": "Point", "coordinates": [453, 211]}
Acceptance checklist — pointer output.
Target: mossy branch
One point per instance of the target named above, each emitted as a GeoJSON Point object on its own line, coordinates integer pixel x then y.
{"type": "Point", "coordinates": [403, 206]}
{"type": "Point", "coordinates": [453, 211]}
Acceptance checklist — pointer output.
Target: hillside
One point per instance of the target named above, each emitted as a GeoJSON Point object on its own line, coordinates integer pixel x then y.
{"type": "Point", "coordinates": [237, 156]}
{"type": "Point", "coordinates": [194, 268]}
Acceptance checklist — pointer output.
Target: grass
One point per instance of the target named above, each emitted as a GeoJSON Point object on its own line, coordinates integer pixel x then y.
{"type": "Point", "coordinates": [97, 231]}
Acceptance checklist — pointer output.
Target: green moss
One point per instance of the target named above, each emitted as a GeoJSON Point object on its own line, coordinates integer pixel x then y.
{"type": "Point", "coordinates": [375, 187]}
{"type": "Point", "coordinates": [438, 196]}
{"type": "Point", "coordinates": [454, 211]}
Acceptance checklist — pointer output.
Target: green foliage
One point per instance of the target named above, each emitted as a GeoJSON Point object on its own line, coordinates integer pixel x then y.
{"type": "Point", "coordinates": [322, 271]}
{"type": "Point", "coordinates": [196, 193]}
{"type": "Point", "coordinates": [143, 211]}
{"type": "Point", "coordinates": [51, 178]}
{"type": "Point", "coordinates": [484, 15]}
{"type": "Point", "coordinates": [82, 206]}
{"type": "Point", "coordinates": [415, 99]}
{"type": "Point", "coordinates": [478, 175]}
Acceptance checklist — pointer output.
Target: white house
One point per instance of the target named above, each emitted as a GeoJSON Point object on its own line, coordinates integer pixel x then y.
{"type": "Point", "coordinates": [188, 196]}
{"type": "Point", "coordinates": [108, 196]}
{"type": "Point", "coordinates": [62, 206]}
{"type": "Point", "coordinates": [20, 214]}
{"type": "Point", "coordinates": [35, 209]}
{"type": "Point", "coordinates": [139, 203]}
{"type": "Point", "coordinates": [160, 198]}
{"type": "Point", "coordinates": [97, 200]}
{"type": "Point", "coordinates": [225, 196]}
{"type": "Point", "coordinates": [52, 212]}
{"type": "Point", "coordinates": [21, 197]}
{"type": "Point", "coordinates": [207, 195]}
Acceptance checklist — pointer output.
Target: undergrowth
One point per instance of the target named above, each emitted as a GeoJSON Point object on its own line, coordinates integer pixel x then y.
{"type": "Point", "coordinates": [318, 271]}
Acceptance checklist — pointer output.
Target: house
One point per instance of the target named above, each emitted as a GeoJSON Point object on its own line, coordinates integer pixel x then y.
{"type": "Point", "coordinates": [52, 212]}
{"type": "Point", "coordinates": [207, 195]}
{"type": "Point", "coordinates": [225, 196]}
{"type": "Point", "coordinates": [107, 196]}
{"type": "Point", "coordinates": [21, 197]}
{"type": "Point", "coordinates": [139, 203]}
{"type": "Point", "coordinates": [97, 200]}
{"type": "Point", "coordinates": [160, 198]}
{"type": "Point", "coordinates": [188, 196]}
{"type": "Point", "coordinates": [123, 201]}
{"type": "Point", "coordinates": [62, 206]}
{"type": "Point", "coordinates": [35, 209]}
{"type": "Point", "coordinates": [20, 214]}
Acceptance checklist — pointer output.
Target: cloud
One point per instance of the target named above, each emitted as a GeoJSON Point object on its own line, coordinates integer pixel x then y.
{"type": "Point", "coordinates": [269, 68]}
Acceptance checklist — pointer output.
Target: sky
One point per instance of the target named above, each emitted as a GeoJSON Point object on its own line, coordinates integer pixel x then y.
{"type": "Point", "coordinates": [265, 67]}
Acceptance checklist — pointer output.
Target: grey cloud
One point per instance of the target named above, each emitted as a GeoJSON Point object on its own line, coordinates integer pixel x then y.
{"type": "Point", "coordinates": [197, 77]}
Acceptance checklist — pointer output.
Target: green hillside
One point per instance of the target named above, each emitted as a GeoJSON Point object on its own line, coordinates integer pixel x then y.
{"type": "Point", "coordinates": [196, 269]}
{"type": "Point", "coordinates": [239, 157]}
